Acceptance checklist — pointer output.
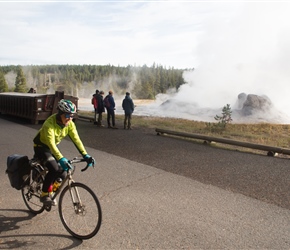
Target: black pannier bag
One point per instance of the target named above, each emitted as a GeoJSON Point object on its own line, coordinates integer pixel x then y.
{"type": "Point", "coordinates": [17, 168]}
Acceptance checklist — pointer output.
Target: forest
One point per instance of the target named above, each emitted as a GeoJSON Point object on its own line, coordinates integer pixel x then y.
{"type": "Point", "coordinates": [82, 80]}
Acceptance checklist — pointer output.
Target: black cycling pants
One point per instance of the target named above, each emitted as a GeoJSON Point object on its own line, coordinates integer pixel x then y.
{"type": "Point", "coordinates": [48, 161]}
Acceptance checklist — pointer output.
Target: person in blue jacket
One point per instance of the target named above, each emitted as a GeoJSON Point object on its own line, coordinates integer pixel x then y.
{"type": "Point", "coordinates": [109, 103]}
{"type": "Point", "coordinates": [128, 106]}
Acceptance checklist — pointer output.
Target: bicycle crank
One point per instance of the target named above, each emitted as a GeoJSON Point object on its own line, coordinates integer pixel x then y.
{"type": "Point", "coordinates": [47, 207]}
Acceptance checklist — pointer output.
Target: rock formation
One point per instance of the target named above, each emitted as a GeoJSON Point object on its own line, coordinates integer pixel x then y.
{"type": "Point", "coordinates": [250, 104]}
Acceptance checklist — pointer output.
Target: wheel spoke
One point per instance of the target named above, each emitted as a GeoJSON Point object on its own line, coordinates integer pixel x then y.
{"type": "Point", "coordinates": [31, 193]}
{"type": "Point", "coordinates": [81, 216]}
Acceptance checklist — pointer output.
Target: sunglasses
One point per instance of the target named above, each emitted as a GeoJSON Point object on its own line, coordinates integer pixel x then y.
{"type": "Point", "coordinates": [68, 116]}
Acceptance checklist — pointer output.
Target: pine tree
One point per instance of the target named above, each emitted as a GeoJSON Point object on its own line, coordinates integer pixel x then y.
{"type": "Point", "coordinates": [3, 83]}
{"type": "Point", "coordinates": [226, 116]}
{"type": "Point", "coordinates": [20, 82]}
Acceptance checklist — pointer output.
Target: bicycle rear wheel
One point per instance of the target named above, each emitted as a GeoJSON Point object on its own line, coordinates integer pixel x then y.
{"type": "Point", "coordinates": [31, 192]}
{"type": "Point", "coordinates": [80, 211]}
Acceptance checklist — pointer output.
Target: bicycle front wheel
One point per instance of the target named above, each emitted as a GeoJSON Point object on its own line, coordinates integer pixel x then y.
{"type": "Point", "coordinates": [80, 211]}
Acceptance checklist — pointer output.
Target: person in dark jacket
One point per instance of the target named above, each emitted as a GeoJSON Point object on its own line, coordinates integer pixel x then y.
{"type": "Point", "coordinates": [95, 103]}
{"type": "Point", "coordinates": [100, 108]}
{"type": "Point", "coordinates": [110, 107]}
{"type": "Point", "coordinates": [128, 106]}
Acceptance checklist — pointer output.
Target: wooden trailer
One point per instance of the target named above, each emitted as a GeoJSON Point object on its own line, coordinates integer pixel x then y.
{"type": "Point", "coordinates": [32, 106]}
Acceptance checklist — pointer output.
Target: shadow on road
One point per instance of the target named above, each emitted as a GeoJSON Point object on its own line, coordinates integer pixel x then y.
{"type": "Point", "coordinates": [24, 241]}
{"type": "Point", "coordinates": [10, 223]}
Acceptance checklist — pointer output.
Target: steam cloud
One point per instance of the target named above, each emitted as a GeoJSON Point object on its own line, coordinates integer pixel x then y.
{"type": "Point", "coordinates": [245, 50]}
{"type": "Point", "coordinates": [248, 52]}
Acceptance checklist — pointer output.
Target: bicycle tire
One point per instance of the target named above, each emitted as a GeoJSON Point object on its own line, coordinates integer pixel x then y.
{"type": "Point", "coordinates": [31, 193]}
{"type": "Point", "coordinates": [82, 219]}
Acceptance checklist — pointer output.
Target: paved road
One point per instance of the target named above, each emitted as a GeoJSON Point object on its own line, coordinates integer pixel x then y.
{"type": "Point", "coordinates": [146, 207]}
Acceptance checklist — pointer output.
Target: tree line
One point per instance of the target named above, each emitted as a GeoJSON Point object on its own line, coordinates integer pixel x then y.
{"type": "Point", "coordinates": [81, 80]}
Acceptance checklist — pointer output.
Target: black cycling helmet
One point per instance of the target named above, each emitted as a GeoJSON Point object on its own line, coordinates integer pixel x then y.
{"type": "Point", "coordinates": [66, 106]}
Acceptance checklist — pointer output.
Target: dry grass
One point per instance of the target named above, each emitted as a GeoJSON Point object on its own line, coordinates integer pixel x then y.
{"type": "Point", "coordinates": [276, 135]}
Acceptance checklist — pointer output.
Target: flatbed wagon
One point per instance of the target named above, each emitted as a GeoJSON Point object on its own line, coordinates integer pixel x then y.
{"type": "Point", "coordinates": [33, 106]}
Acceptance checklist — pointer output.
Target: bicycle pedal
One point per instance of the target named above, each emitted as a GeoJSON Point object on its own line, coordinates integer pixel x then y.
{"type": "Point", "coordinates": [47, 207]}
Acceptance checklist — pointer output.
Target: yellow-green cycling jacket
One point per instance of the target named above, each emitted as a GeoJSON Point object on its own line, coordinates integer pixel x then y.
{"type": "Point", "coordinates": [51, 134]}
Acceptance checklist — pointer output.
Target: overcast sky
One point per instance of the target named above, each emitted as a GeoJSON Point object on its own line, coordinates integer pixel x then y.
{"type": "Point", "coordinates": [107, 32]}
{"type": "Point", "coordinates": [235, 46]}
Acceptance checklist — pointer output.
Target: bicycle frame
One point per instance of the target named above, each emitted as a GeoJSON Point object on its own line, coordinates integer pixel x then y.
{"type": "Point", "coordinates": [43, 171]}
{"type": "Point", "coordinates": [68, 179]}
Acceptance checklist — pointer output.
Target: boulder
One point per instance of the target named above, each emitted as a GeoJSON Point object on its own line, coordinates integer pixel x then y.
{"type": "Point", "coordinates": [250, 104]}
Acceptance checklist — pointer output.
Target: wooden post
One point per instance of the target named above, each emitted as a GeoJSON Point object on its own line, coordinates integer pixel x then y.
{"type": "Point", "coordinates": [271, 150]}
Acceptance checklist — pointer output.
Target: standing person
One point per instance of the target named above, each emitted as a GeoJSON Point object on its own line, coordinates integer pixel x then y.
{"type": "Point", "coordinates": [95, 103]}
{"type": "Point", "coordinates": [100, 108]}
{"type": "Point", "coordinates": [128, 106]}
{"type": "Point", "coordinates": [31, 90]}
{"type": "Point", "coordinates": [46, 141]}
{"type": "Point", "coordinates": [110, 107]}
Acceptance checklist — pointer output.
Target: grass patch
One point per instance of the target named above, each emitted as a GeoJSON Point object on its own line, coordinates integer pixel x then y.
{"type": "Point", "coordinates": [276, 135]}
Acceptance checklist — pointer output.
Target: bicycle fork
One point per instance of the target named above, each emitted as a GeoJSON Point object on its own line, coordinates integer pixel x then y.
{"type": "Point", "coordinates": [79, 208]}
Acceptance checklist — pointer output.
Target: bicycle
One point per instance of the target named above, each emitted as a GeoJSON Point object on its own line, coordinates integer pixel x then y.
{"type": "Point", "coordinates": [79, 208]}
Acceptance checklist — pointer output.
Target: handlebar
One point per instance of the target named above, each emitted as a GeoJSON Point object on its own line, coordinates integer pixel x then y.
{"type": "Point", "coordinates": [78, 160]}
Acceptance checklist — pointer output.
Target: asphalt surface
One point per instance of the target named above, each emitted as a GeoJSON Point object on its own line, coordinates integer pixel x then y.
{"type": "Point", "coordinates": [237, 171]}
{"type": "Point", "coordinates": [156, 192]}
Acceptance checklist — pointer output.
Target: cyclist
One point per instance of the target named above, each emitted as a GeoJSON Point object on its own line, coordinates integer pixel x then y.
{"type": "Point", "coordinates": [54, 129]}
